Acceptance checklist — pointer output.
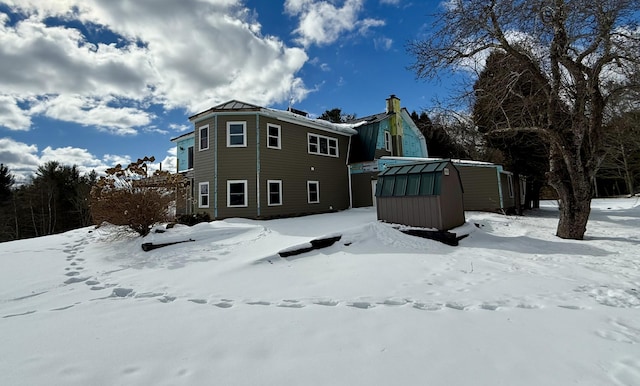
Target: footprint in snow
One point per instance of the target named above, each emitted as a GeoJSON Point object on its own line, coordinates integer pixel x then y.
{"type": "Point", "coordinates": [395, 302]}
{"type": "Point", "coordinates": [361, 305]}
{"type": "Point", "coordinates": [457, 306]}
{"type": "Point", "coordinates": [198, 301]}
{"type": "Point", "coordinates": [259, 303]}
{"type": "Point", "coordinates": [427, 306]}
{"type": "Point", "coordinates": [121, 292]}
{"type": "Point", "coordinates": [224, 303]}
{"type": "Point", "coordinates": [73, 280]}
{"type": "Point", "coordinates": [329, 303]}
{"type": "Point", "coordinates": [287, 303]}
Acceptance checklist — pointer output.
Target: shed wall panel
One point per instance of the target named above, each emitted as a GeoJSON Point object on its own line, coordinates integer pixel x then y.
{"type": "Point", "coordinates": [480, 187]}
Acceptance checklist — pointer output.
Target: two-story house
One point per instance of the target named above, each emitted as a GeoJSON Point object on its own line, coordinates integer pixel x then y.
{"type": "Point", "coordinates": [244, 160]}
{"type": "Point", "coordinates": [249, 161]}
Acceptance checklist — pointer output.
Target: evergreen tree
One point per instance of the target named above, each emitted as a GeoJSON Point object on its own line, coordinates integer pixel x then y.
{"type": "Point", "coordinates": [508, 96]}
{"type": "Point", "coordinates": [6, 183]}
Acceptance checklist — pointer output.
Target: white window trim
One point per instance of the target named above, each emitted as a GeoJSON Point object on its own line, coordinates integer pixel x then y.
{"type": "Point", "coordinates": [246, 193]}
{"type": "Point", "coordinates": [317, 184]}
{"type": "Point", "coordinates": [244, 133]}
{"type": "Point", "coordinates": [270, 125]}
{"type": "Point", "coordinates": [387, 141]}
{"type": "Point", "coordinates": [309, 135]}
{"type": "Point", "coordinates": [200, 195]}
{"type": "Point", "coordinates": [269, 182]}
{"type": "Point", "coordinates": [200, 148]}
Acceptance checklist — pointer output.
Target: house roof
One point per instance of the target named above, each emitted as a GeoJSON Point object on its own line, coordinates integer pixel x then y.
{"type": "Point", "coordinates": [286, 116]}
{"type": "Point", "coordinates": [371, 118]}
{"type": "Point", "coordinates": [183, 136]}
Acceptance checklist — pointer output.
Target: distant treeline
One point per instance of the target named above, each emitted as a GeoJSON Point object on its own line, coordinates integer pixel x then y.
{"type": "Point", "coordinates": [55, 200]}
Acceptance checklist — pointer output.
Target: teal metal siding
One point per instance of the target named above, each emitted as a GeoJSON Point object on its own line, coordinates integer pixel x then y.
{"type": "Point", "coordinates": [183, 153]}
{"type": "Point", "coordinates": [411, 143]}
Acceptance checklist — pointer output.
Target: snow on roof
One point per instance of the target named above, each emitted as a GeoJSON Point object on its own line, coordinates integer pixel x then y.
{"type": "Point", "coordinates": [288, 116]}
{"type": "Point", "coordinates": [432, 159]}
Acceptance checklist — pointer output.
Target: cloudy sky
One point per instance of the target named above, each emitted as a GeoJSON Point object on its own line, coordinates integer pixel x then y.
{"type": "Point", "coordinates": [100, 82]}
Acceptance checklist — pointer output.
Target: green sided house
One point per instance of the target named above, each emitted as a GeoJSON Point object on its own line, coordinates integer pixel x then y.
{"type": "Point", "coordinates": [244, 160]}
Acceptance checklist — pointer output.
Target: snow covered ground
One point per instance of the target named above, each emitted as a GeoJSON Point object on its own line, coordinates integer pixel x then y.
{"type": "Point", "coordinates": [512, 305]}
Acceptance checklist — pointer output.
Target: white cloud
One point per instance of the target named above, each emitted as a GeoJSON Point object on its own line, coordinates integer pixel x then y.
{"type": "Point", "coordinates": [12, 116]}
{"type": "Point", "coordinates": [188, 54]}
{"type": "Point", "coordinates": [180, 128]}
{"type": "Point", "coordinates": [322, 22]}
{"type": "Point", "coordinates": [390, 2]}
{"type": "Point", "coordinates": [23, 159]}
{"type": "Point", "coordinates": [95, 112]}
{"type": "Point", "coordinates": [73, 156]}
{"type": "Point", "coordinates": [383, 43]}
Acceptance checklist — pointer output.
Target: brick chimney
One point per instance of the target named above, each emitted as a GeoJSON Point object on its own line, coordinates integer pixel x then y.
{"type": "Point", "coordinates": [395, 123]}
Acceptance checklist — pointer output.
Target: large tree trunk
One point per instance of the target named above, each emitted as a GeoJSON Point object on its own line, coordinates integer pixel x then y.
{"type": "Point", "coordinates": [574, 215]}
{"type": "Point", "coordinates": [572, 182]}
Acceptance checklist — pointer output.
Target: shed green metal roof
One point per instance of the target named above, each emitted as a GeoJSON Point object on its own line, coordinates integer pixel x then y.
{"type": "Point", "coordinates": [422, 167]}
{"type": "Point", "coordinates": [415, 179]}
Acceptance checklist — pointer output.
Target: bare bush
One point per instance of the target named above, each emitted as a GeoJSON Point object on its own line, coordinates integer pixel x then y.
{"type": "Point", "coordinates": [128, 196]}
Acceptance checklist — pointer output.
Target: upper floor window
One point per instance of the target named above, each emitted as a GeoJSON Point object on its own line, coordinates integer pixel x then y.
{"type": "Point", "coordinates": [322, 145]}
{"type": "Point", "coordinates": [204, 137]}
{"type": "Point", "coordinates": [236, 134]}
{"type": "Point", "coordinates": [387, 141]}
{"type": "Point", "coordinates": [190, 157]}
{"type": "Point", "coordinates": [273, 136]}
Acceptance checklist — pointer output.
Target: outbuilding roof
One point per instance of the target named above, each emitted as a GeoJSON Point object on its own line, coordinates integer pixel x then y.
{"type": "Point", "coordinates": [416, 179]}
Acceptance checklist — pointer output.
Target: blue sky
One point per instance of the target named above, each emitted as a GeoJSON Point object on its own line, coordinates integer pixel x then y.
{"type": "Point", "coordinates": [95, 83]}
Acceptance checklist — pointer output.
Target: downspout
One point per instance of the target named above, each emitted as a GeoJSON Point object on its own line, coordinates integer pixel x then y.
{"type": "Point", "coordinates": [258, 163]}
{"type": "Point", "coordinates": [349, 173]}
{"type": "Point", "coordinates": [215, 168]}
{"type": "Point", "coordinates": [350, 192]}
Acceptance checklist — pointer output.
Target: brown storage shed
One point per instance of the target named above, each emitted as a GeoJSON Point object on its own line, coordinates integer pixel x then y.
{"type": "Point", "coordinates": [426, 194]}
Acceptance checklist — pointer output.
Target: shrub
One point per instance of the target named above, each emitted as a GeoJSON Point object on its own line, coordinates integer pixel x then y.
{"type": "Point", "coordinates": [193, 219]}
{"type": "Point", "coordinates": [129, 197]}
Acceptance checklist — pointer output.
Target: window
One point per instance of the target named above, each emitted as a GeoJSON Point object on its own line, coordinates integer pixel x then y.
{"type": "Point", "coordinates": [236, 134]}
{"type": "Point", "coordinates": [190, 157]}
{"type": "Point", "coordinates": [274, 192]}
{"type": "Point", "coordinates": [203, 200]}
{"type": "Point", "coordinates": [313, 192]}
{"type": "Point", "coordinates": [204, 137]}
{"type": "Point", "coordinates": [413, 184]}
{"type": "Point", "coordinates": [236, 193]}
{"type": "Point", "coordinates": [318, 144]}
{"type": "Point", "coordinates": [387, 141]}
{"type": "Point", "coordinates": [273, 136]}
{"type": "Point", "coordinates": [400, 187]}
{"type": "Point", "coordinates": [427, 184]}
{"type": "Point", "coordinates": [387, 186]}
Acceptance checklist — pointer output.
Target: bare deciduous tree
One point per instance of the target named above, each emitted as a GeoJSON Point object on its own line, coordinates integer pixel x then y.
{"type": "Point", "coordinates": [582, 50]}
